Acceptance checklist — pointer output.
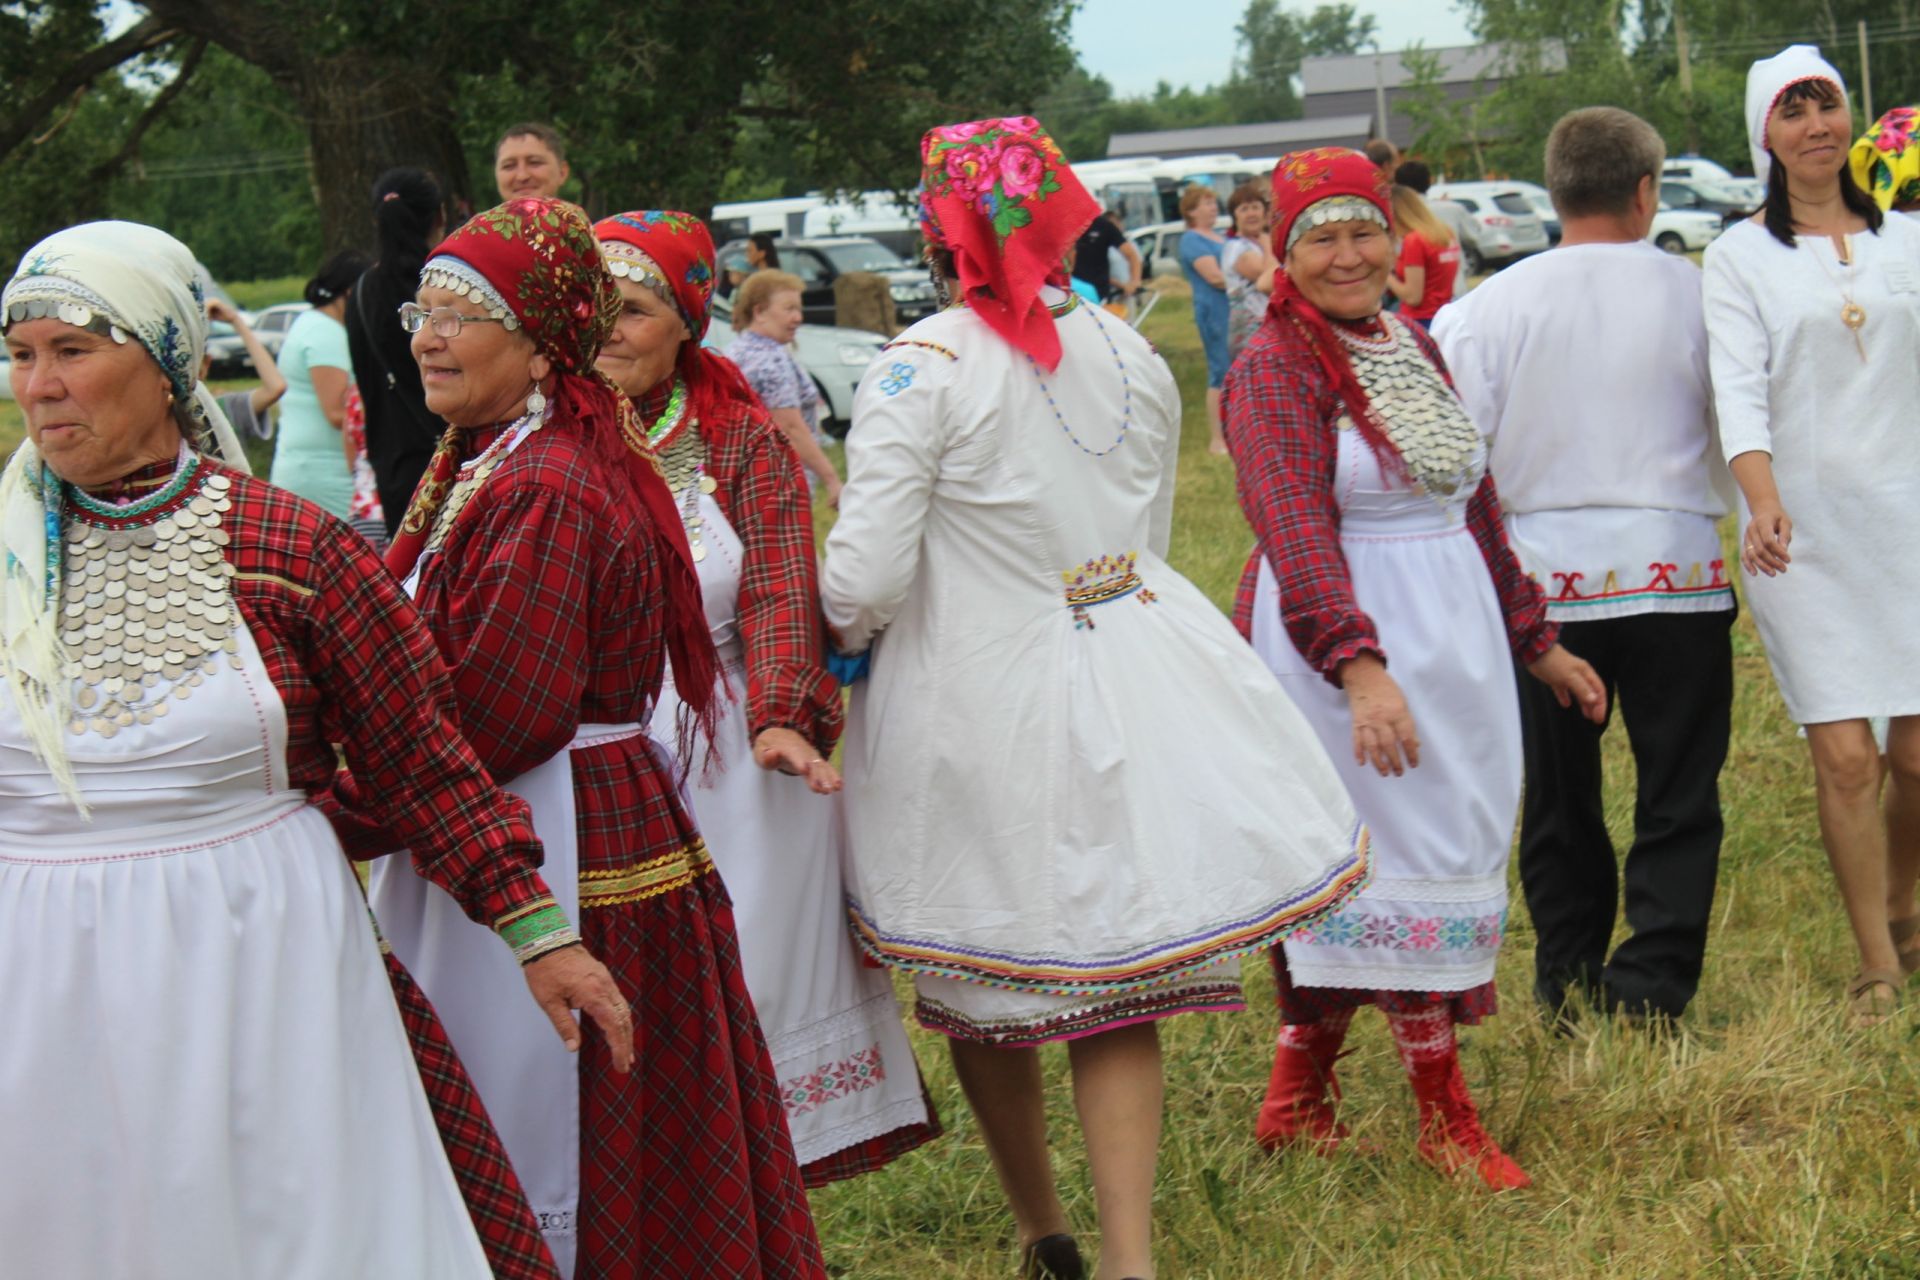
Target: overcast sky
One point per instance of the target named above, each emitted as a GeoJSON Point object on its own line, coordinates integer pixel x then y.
{"type": "Point", "coordinates": [1137, 43]}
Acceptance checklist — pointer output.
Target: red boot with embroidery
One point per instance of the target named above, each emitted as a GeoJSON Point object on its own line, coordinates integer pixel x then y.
{"type": "Point", "coordinates": [1451, 1136]}
{"type": "Point", "coordinates": [1299, 1107]}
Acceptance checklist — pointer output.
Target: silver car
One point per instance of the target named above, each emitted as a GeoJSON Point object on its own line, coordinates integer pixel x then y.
{"type": "Point", "coordinates": [1502, 224]}
{"type": "Point", "coordinates": [833, 357]}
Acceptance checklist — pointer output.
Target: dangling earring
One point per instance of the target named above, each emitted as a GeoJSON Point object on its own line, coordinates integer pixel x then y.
{"type": "Point", "coordinates": [537, 402]}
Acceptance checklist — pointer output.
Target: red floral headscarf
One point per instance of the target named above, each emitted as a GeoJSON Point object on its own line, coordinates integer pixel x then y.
{"type": "Point", "coordinates": [1302, 180]}
{"type": "Point", "coordinates": [999, 196]}
{"type": "Point", "coordinates": [540, 259]}
{"type": "Point", "coordinates": [674, 251]}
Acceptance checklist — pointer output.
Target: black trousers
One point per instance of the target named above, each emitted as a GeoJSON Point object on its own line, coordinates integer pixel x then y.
{"type": "Point", "coordinates": [1671, 676]}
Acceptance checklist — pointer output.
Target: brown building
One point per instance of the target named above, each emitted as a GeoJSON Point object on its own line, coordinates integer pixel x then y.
{"type": "Point", "coordinates": [1251, 141]}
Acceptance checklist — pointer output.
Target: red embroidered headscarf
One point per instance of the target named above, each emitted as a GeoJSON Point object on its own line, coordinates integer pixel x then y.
{"type": "Point", "coordinates": [998, 195]}
{"type": "Point", "coordinates": [672, 253]}
{"type": "Point", "coordinates": [1302, 181]}
{"type": "Point", "coordinates": [540, 258]}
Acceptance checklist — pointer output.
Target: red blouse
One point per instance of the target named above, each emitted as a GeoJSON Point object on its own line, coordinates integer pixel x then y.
{"type": "Point", "coordinates": [1279, 411]}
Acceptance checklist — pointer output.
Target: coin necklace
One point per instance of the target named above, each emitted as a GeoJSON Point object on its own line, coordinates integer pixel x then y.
{"type": "Point", "coordinates": [684, 460]}
{"type": "Point", "coordinates": [145, 609]}
{"type": "Point", "coordinates": [1422, 417]}
{"type": "Point", "coordinates": [1852, 315]}
{"type": "Point", "coordinates": [473, 476]}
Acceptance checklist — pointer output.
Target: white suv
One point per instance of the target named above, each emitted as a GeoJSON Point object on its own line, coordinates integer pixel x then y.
{"type": "Point", "coordinates": [1501, 224]}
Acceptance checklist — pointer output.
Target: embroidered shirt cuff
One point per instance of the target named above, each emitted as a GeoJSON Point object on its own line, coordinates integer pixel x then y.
{"type": "Point", "coordinates": [535, 929]}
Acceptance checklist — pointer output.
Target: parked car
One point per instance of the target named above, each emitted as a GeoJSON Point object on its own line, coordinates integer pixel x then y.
{"type": "Point", "coordinates": [1159, 246]}
{"type": "Point", "coordinates": [1725, 200]}
{"type": "Point", "coordinates": [1543, 208]}
{"type": "Point", "coordinates": [272, 324]}
{"type": "Point", "coordinates": [226, 352]}
{"type": "Point", "coordinates": [1690, 167]}
{"type": "Point", "coordinates": [833, 357]}
{"type": "Point", "coordinates": [819, 261]}
{"type": "Point", "coordinates": [1685, 230]}
{"type": "Point", "coordinates": [6, 378]}
{"type": "Point", "coordinates": [1502, 225]}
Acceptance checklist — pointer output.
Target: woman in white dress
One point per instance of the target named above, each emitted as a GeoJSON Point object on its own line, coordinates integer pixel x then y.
{"type": "Point", "coordinates": [223, 1087]}
{"type": "Point", "coordinates": [1074, 799]}
{"type": "Point", "coordinates": [1380, 541]}
{"type": "Point", "coordinates": [1813, 318]}
{"type": "Point", "coordinates": [848, 1081]}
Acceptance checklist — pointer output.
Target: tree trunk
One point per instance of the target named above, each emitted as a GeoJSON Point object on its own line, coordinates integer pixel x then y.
{"type": "Point", "coordinates": [360, 126]}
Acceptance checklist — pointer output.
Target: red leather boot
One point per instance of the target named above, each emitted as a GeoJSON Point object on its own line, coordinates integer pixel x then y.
{"type": "Point", "coordinates": [1451, 1137]}
{"type": "Point", "coordinates": [1299, 1107]}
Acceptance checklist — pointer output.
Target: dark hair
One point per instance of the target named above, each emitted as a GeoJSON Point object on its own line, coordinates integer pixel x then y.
{"type": "Point", "coordinates": [406, 207]}
{"type": "Point", "coordinates": [1381, 152]}
{"type": "Point", "coordinates": [1415, 174]}
{"type": "Point", "coordinates": [546, 133]}
{"type": "Point", "coordinates": [1778, 210]}
{"type": "Point", "coordinates": [763, 241]}
{"type": "Point", "coordinates": [336, 276]}
{"type": "Point", "coordinates": [1252, 191]}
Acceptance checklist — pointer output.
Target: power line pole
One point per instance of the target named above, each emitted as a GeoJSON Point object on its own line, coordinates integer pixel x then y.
{"type": "Point", "coordinates": [1683, 48]}
{"type": "Point", "coordinates": [1866, 75]}
{"type": "Point", "coordinates": [1380, 95]}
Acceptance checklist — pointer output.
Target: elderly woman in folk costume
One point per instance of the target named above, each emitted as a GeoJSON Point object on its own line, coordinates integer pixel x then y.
{"type": "Point", "coordinates": [547, 555]}
{"type": "Point", "coordinates": [1813, 317]}
{"type": "Point", "coordinates": [222, 1069]}
{"type": "Point", "coordinates": [853, 1095]}
{"type": "Point", "coordinates": [1380, 541]}
{"type": "Point", "coordinates": [1075, 798]}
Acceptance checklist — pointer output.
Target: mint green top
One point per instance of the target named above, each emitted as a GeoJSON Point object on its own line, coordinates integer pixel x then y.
{"type": "Point", "coordinates": [309, 458]}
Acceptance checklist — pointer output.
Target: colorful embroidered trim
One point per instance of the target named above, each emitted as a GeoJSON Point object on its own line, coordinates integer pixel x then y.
{"type": "Point", "coordinates": [934, 347]}
{"type": "Point", "coordinates": [1204, 997]}
{"type": "Point", "coordinates": [1098, 581]}
{"type": "Point", "coordinates": [1368, 931]}
{"type": "Point", "coordinates": [535, 929]}
{"type": "Point", "coordinates": [648, 880]}
{"type": "Point", "coordinates": [1661, 583]}
{"type": "Point", "coordinates": [831, 1081]}
{"type": "Point", "coordinates": [1155, 966]}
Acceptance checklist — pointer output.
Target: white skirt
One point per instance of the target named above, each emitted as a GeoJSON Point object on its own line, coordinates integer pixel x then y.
{"type": "Point", "coordinates": [211, 1080]}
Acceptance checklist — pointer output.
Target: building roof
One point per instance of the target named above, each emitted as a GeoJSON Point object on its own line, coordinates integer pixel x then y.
{"type": "Point", "coordinates": [1460, 64]}
{"type": "Point", "coordinates": [1276, 137]}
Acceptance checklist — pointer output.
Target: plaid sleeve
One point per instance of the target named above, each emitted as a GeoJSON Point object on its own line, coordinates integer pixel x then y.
{"type": "Point", "coordinates": [1280, 435]}
{"type": "Point", "coordinates": [385, 699]}
{"type": "Point", "coordinates": [779, 610]}
{"type": "Point", "coordinates": [1522, 603]}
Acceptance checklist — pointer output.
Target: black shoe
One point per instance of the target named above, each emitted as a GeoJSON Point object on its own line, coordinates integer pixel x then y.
{"type": "Point", "coordinates": [1052, 1258]}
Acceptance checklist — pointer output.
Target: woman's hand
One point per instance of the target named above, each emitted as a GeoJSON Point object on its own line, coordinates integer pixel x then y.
{"type": "Point", "coordinates": [1763, 549]}
{"type": "Point", "coordinates": [787, 751]}
{"type": "Point", "coordinates": [833, 488]}
{"type": "Point", "coordinates": [569, 979]}
{"type": "Point", "coordinates": [218, 310]}
{"type": "Point", "coordinates": [1382, 726]}
{"type": "Point", "coordinates": [1573, 680]}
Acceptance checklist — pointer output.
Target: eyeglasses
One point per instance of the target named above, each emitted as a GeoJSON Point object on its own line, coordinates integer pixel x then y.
{"type": "Point", "coordinates": [444, 321]}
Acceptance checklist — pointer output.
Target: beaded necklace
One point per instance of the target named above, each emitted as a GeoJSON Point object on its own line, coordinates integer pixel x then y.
{"type": "Point", "coordinates": [473, 475]}
{"type": "Point", "coordinates": [666, 428]}
{"type": "Point", "coordinates": [1126, 388]}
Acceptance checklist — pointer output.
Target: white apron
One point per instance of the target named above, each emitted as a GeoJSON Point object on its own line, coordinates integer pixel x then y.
{"type": "Point", "coordinates": [833, 1028]}
{"type": "Point", "coordinates": [218, 1085]}
{"type": "Point", "coordinates": [1432, 917]}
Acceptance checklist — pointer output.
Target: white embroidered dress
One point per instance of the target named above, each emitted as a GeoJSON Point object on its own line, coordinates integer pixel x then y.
{"type": "Point", "coordinates": [1840, 623]}
{"type": "Point", "coordinates": [1074, 796]}
{"type": "Point", "coordinates": [833, 1028]}
{"type": "Point", "coordinates": [209, 1079]}
{"type": "Point", "coordinates": [1432, 917]}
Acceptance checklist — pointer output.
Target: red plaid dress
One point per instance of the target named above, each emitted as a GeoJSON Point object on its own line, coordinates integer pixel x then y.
{"type": "Point", "coordinates": [764, 496]}
{"type": "Point", "coordinates": [1282, 432]}
{"type": "Point", "coordinates": [344, 649]}
{"type": "Point", "coordinates": [547, 603]}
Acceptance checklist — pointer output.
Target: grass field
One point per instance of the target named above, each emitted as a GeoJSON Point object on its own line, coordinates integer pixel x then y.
{"type": "Point", "coordinates": [1765, 1140]}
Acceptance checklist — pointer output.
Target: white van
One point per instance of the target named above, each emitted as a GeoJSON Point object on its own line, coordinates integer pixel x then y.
{"type": "Point", "coordinates": [740, 218]}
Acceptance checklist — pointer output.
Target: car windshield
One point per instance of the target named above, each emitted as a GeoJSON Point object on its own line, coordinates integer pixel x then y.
{"type": "Point", "coordinates": [862, 255]}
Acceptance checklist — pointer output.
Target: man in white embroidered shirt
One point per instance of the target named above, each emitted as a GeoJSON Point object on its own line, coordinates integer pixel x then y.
{"type": "Point", "coordinates": [1587, 369]}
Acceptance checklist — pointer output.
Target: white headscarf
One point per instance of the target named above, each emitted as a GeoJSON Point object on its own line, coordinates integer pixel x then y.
{"type": "Point", "coordinates": [144, 286]}
{"type": "Point", "coordinates": [1768, 78]}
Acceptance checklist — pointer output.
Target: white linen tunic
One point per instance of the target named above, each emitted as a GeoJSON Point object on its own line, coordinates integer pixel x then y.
{"type": "Point", "coordinates": [846, 1068]}
{"type": "Point", "coordinates": [208, 1079]}
{"type": "Point", "coordinates": [1072, 790]}
{"type": "Point", "coordinates": [1433, 915]}
{"type": "Point", "coordinates": [1842, 624]}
